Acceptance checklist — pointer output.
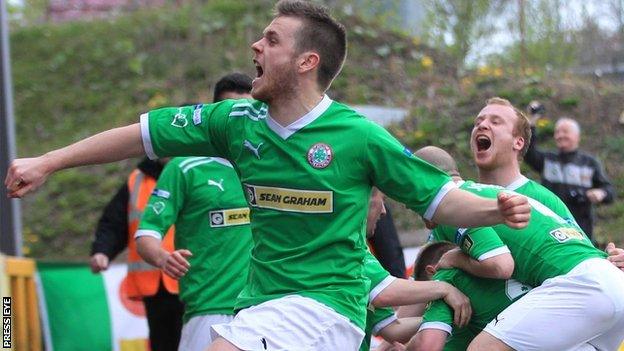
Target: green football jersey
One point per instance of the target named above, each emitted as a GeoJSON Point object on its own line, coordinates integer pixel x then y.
{"type": "Point", "coordinates": [308, 186]}
{"type": "Point", "coordinates": [376, 318]}
{"type": "Point", "coordinates": [203, 198]}
{"type": "Point", "coordinates": [488, 298]}
{"type": "Point", "coordinates": [537, 191]}
{"type": "Point", "coordinates": [548, 247]}
{"type": "Point", "coordinates": [481, 243]}
{"type": "Point", "coordinates": [378, 276]}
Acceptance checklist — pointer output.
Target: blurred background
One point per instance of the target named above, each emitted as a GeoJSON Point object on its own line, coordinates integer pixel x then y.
{"type": "Point", "coordinates": [422, 68]}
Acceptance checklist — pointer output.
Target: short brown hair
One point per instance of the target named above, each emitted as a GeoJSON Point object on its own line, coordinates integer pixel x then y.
{"type": "Point", "coordinates": [523, 125]}
{"type": "Point", "coordinates": [321, 33]}
{"type": "Point", "coordinates": [430, 254]}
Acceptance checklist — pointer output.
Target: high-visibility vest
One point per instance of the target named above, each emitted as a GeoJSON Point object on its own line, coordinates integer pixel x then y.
{"type": "Point", "coordinates": [143, 278]}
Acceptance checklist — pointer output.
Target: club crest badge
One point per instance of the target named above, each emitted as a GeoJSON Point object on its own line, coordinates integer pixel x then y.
{"type": "Point", "coordinates": [179, 120]}
{"type": "Point", "coordinates": [320, 155]}
{"type": "Point", "coordinates": [158, 207]}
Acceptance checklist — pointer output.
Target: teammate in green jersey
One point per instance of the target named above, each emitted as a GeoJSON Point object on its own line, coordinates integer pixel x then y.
{"type": "Point", "coordinates": [488, 297]}
{"type": "Point", "coordinates": [307, 164]}
{"type": "Point", "coordinates": [203, 198]}
{"type": "Point", "coordinates": [576, 288]}
{"type": "Point", "coordinates": [498, 142]}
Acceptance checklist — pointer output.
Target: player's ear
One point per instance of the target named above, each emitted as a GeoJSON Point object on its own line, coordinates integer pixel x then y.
{"type": "Point", "coordinates": [518, 143]}
{"type": "Point", "coordinates": [308, 61]}
{"type": "Point", "coordinates": [430, 269]}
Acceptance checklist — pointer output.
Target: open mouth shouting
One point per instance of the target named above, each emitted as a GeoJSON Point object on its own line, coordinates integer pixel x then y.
{"type": "Point", "coordinates": [259, 70]}
{"type": "Point", "coordinates": [483, 143]}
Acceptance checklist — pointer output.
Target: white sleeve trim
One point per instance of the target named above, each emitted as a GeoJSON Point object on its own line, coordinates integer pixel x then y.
{"type": "Point", "coordinates": [148, 232]}
{"type": "Point", "coordinates": [433, 206]}
{"type": "Point", "coordinates": [380, 287]}
{"type": "Point", "coordinates": [498, 251]}
{"type": "Point", "coordinates": [384, 323]}
{"type": "Point", "coordinates": [145, 136]}
{"type": "Point", "coordinates": [437, 325]}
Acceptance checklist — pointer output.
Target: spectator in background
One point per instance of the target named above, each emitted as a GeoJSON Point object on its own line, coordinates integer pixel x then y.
{"type": "Point", "coordinates": [575, 176]}
{"type": "Point", "coordinates": [386, 246]}
{"type": "Point", "coordinates": [115, 231]}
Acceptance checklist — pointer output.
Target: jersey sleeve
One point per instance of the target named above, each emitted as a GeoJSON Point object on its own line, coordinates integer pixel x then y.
{"type": "Point", "coordinates": [197, 130]}
{"type": "Point", "coordinates": [480, 243]}
{"type": "Point", "coordinates": [379, 277]}
{"type": "Point", "coordinates": [380, 318]}
{"type": "Point", "coordinates": [403, 176]}
{"type": "Point", "coordinates": [438, 314]}
{"type": "Point", "coordinates": [164, 204]}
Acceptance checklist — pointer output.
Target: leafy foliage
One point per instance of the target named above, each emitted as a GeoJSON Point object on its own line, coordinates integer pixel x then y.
{"type": "Point", "coordinates": [75, 79]}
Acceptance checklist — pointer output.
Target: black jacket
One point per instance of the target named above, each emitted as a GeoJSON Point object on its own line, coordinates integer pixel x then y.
{"type": "Point", "coordinates": [387, 246]}
{"type": "Point", "coordinates": [111, 234]}
{"type": "Point", "coordinates": [569, 175]}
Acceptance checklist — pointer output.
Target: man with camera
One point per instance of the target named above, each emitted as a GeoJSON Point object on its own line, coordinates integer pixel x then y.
{"type": "Point", "coordinates": [575, 176]}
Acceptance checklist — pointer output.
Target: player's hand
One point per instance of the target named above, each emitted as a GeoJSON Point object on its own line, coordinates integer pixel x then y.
{"type": "Point", "coordinates": [397, 346]}
{"type": "Point", "coordinates": [449, 259]}
{"type": "Point", "coordinates": [514, 209]}
{"type": "Point", "coordinates": [25, 175]}
{"type": "Point", "coordinates": [98, 262]}
{"type": "Point", "coordinates": [595, 195]}
{"type": "Point", "coordinates": [460, 305]}
{"type": "Point", "coordinates": [616, 255]}
{"type": "Point", "coordinates": [384, 346]}
{"type": "Point", "coordinates": [175, 265]}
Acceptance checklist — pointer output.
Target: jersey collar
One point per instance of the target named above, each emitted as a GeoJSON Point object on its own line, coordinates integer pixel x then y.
{"type": "Point", "coordinates": [520, 181]}
{"type": "Point", "coordinates": [316, 112]}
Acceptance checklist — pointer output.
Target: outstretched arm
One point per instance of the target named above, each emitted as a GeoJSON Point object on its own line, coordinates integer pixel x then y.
{"type": "Point", "coordinates": [27, 174]}
{"type": "Point", "coordinates": [464, 209]}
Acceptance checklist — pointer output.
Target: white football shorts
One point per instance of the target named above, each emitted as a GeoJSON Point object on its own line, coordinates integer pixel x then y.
{"type": "Point", "coordinates": [290, 323]}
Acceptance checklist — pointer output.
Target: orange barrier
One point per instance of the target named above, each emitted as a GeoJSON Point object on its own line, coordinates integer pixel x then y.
{"type": "Point", "coordinates": [25, 312]}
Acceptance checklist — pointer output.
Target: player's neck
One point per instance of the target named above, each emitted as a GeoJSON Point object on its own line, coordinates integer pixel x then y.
{"type": "Point", "coordinates": [286, 111]}
{"type": "Point", "coordinates": [502, 176]}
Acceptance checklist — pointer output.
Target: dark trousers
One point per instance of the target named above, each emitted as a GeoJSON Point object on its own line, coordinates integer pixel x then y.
{"type": "Point", "coordinates": [164, 318]}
